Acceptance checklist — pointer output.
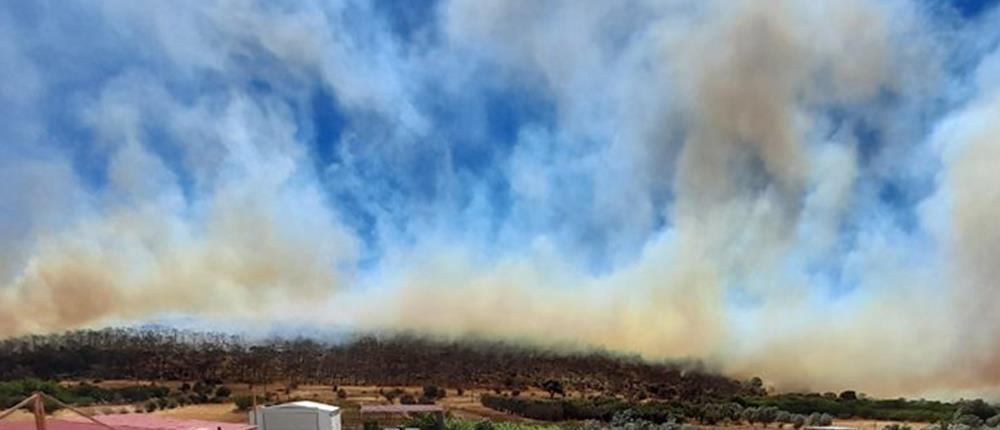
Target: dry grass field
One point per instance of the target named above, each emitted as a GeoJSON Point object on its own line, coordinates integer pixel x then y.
{"type": "Point", "coordinates": [466, 405]}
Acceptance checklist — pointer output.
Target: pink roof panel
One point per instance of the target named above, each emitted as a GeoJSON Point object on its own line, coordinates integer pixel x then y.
{"type": "Point", "coordinates": [399, 409]}
{"type": "Point", "coordinates": [155, 422]}
{"type": "Point", "coordinates": [51, 424]}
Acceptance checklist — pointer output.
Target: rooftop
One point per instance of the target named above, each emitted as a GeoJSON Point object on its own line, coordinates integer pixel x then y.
{"type": "Point", "coordinates": [155, 422]}
{"type": "Point", "coordinates": [399, 409]}
{"type": "Point", "coordinates": [308, 405]}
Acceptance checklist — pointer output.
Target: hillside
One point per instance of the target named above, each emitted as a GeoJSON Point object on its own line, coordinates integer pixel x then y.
{"type": "Point", "coordinates": [163, 354]}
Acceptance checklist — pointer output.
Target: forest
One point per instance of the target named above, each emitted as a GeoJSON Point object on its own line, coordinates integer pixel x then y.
{"type": "Point", "coordinates": [160, 354]}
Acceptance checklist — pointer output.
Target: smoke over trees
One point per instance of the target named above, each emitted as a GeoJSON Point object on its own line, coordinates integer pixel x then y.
{"type": "Point", "coordinates": [166, 354]}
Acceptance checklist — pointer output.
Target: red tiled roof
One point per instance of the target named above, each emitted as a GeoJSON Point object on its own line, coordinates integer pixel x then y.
{"type": "Point", "coordinates": [399, 409]}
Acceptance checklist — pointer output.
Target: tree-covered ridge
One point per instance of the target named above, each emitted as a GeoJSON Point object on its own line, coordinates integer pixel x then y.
{"type": "Point", "coordinates": [167, 354]}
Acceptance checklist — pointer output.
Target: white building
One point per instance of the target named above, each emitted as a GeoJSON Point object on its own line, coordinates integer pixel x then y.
{"type": "Point", "coordinates": [296, 416]}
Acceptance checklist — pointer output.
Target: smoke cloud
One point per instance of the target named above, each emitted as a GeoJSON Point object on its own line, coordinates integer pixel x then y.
{"type": "Point", "coordinates": [797, 190]}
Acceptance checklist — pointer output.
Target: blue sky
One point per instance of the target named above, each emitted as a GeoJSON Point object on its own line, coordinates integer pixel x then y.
{"type": "Point", "coordinates": [676, 178]}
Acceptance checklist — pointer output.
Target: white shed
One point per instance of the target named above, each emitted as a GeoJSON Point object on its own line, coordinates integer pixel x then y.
{"type": "Point", "coordinates": [296, 416]}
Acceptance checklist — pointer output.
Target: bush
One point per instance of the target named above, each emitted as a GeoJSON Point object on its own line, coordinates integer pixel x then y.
{"type": "Point", "coordinates": [976, 407]}
{"type": "Point", "coordinates": [484, 425]}
{"type": "Point", "coordinates": [798, 421]}
{"type": "Point", "coordinates": [712, 413]}
{"type": "Point", "coordinates": [969, 420]}
{"type": "Point", "coordinates": [341, 394]}
{"type": "Point", "coordinates": [223, 391]}
{"type": "Point", "coordinates": [825, 420]}
{"type": "Point", "coordinates": [434, 392]}
{"type": "Point", "coordinates": [141, 393]}
{"type": "Point", "coordinates": [244, 403]}
{"type": "Point", "coordinates": [151, 406]}
{"type": "Point", "coordinates": [534, 409]}
{"type": "Point", "coordinates": [426, 422]}
{"type": "Point", "coordinates": [783, 417]}
{"type": "Point", "coordinates": [393, 394]}
{"type": "Point", "coordinates": [202, 388]}
{"type": "Point", "coordinates": [767, 415]}
{"type": "Point", "coordinates": [553, 387]}
{"type": "Point", "coordinates": [862, 407]}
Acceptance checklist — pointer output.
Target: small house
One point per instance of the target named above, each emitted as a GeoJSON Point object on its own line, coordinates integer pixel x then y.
{"type": "Point", "coordinates": [304, 415]}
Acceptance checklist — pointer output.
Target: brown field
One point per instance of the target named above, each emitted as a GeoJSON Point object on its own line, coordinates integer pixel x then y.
{"type": "Point", "coordinates": [466, 406]}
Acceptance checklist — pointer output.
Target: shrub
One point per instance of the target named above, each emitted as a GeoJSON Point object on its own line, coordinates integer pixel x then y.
{"type": "Point", "coordinates": [223, 391]}
{"type": "Point", "coordinates": [553, 387]}
{"type": "Point", "coordinates": [535, 409]}
{"type": "Point", "coordinates": [798, 421]}
{"type": "Point", "coordinates": [243, 403]}
{"type": "Point", "coordinates": [969, 420]}
{"type": "Point", "coordinates": [767, 415]}
{"type": "Point", "coordinates": [341, 394]}
{"type": "Point", "coordinates": [393, 394]}
{"type": "Point", "coordinates": [151, 406]}
{"type": "Point", "coordinates": [976, 407]}
{"type": "Point", "coordinates": [434, 392]}
{"type": "Point", "coordinates": [426, 422]}
{"type": "Point", "coordinates": [202, 388]}
{"type": "Point", "coordinates": [782, 418]}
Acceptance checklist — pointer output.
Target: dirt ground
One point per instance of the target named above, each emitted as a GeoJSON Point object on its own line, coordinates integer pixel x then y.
{"type": "Point", "coordinates": [465, 406]}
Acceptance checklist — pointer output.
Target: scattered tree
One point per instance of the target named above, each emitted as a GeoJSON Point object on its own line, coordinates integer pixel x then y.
{"type": "Point", "coordinates": [848, 395]}
{"type": "Point", "coordinates": [553, 387]}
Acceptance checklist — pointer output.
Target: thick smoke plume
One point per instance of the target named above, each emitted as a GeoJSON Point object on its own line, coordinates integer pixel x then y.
{"type": "Point", "coordinates": [799, 190]}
